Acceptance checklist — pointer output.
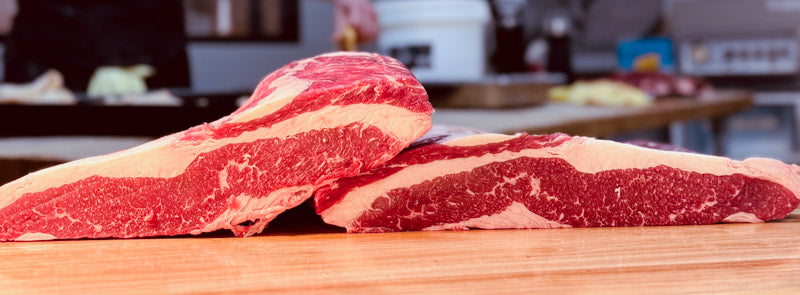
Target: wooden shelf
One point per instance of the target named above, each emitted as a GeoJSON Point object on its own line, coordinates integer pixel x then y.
{"type": "Point", "coordinates": [494, 91]}
{"type": "Point", "coordinates": [597, 121]}
{"type": "Point", "coordinates": [92, 118]}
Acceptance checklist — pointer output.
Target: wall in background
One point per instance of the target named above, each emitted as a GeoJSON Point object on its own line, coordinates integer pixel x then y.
{"type": "Point", "coordinates": [239, 66]}
{"type": "Point", "coordinates": [220, 67]}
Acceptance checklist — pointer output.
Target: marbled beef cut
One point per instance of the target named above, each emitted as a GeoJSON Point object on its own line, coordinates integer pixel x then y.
{"type": "Point", "coordinates": [550, 181]}
{"type": "Point", "coordinates": [306, 124]}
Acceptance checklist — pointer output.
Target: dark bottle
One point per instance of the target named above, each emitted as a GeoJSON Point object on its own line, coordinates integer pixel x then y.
{"type": "Point", "coordinates": [509, 54]}
{"type": "Point", "coordinates": [559, 56]}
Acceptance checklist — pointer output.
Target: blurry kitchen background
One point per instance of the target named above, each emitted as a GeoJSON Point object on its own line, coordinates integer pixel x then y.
{"type": "Point", "coordinates": [499, 65]}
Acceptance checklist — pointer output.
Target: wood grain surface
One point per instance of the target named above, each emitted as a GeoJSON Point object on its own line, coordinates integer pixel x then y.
{"type": "Point", "coordinates": [723, 258]}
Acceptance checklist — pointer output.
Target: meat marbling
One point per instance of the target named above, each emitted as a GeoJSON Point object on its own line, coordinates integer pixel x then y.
{"type": "Point", "coordinates": [550, 181]}
{"type": "Point", "coordinates": [305, 125]}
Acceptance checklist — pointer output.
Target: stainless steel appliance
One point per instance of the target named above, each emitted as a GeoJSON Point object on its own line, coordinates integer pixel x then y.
{"type": "Point", "coordinates": [746, 44]}
{"type": "Point", "coordinates": [736, 37]}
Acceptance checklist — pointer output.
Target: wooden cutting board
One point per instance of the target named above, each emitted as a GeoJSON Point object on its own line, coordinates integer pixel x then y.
{"type": "Point", "coordinates": [728, 258]}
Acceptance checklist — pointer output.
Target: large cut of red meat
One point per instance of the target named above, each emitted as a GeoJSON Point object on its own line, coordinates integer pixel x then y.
{"type": "Point", "coordinates": [305, 125]}
{"type": "Point", "coordinates": [550, 181]}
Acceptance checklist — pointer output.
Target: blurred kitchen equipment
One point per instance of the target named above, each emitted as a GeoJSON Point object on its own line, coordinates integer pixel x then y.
{"type": "Point", "coordinates": [606, 22]}
{"type": "Point", "coordinates": [559, 55]}
{"type": "Point", "coordinates": [509, 53]}
{"type": "Point", "coordinates": [599, 25]}
{"type": "Point", "coordinates": [736, 38]}
{"type": "Point", "coordinates": [536, 55]}
{"type": "Point", "coordinates": [740, 56]}
{"type": "Point", "coordinates": [440, 41]}
{"type": "Point", "coordinates": [746, 43]}
{"type": "Point", "coordinates": [652, 54]}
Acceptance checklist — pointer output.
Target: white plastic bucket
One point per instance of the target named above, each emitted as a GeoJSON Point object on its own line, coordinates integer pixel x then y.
{"type": "Point", "coordinates": [439, 40]}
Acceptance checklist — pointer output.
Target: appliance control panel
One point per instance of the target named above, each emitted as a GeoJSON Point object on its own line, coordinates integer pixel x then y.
{"type": "Point", "coordinates": [739, 57]}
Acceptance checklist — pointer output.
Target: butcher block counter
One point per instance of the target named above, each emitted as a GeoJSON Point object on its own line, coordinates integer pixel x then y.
{"type": "Point", "coordinates": [723, 258]}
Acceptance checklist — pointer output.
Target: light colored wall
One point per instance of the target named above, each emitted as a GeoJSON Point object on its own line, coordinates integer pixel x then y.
{"type": "Point", "coordinates": [220, 67]}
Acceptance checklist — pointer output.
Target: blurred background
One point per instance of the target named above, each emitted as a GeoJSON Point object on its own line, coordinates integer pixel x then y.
{"type": "Point", "coordinates": [83, 78]}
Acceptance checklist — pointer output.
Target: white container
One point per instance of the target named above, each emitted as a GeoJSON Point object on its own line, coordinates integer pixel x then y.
{"type": "Point", "coordinates": [439, 40]}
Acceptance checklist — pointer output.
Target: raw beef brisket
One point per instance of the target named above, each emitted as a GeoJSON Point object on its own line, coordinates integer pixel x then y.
{"type": "Point", "coordinates": [550, 181]}
{"type": "Point", "coordinates": [305, 125]}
